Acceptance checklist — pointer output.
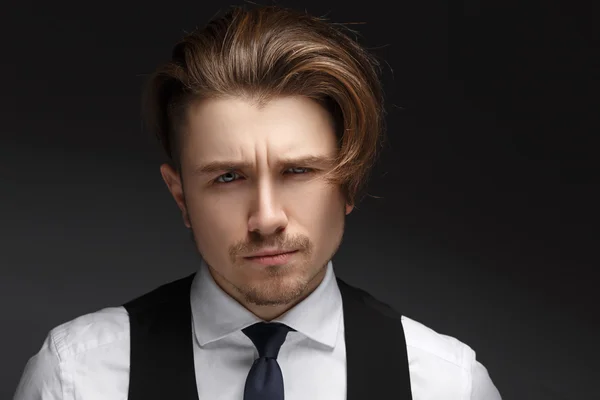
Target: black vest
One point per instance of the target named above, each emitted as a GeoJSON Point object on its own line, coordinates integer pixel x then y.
{"type": "Point", "coordinates": [162, 356]}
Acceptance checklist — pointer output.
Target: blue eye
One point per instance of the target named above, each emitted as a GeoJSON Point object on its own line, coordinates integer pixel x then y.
{"type": "Point", "coordinates": [299, 170]}
{"type": "Point", "coordinates": [226, 178]}
{"type": "Point", "coordinates": [233, 176]}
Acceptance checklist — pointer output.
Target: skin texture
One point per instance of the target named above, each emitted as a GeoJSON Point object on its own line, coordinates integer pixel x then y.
{"type": "Point", "coordinates": [263, 198]}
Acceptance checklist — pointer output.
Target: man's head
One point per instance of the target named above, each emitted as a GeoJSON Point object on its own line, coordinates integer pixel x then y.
{"type": "Point", "coordinates": [271, 119]}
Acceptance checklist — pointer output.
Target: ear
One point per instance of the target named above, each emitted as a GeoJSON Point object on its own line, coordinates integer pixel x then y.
{"type": "Point", "coordinates": [173, 181]}
{"type": "Point", "coordinates": [349, 208]}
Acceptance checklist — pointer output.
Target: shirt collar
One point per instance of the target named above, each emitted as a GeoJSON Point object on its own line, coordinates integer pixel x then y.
{"type": "Point", "coordinates": [216, 314]}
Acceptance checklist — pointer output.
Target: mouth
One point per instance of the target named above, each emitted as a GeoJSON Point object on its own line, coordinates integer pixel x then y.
{"type": "Point", "coordinates": [271, 257]}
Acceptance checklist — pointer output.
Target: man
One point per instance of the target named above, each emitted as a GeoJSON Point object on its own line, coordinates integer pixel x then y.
{"type": "Point", "coordinates": [272, 120]}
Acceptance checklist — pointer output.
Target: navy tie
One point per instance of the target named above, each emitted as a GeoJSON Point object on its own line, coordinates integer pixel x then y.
{"type": "Point", "coordinates": [265, 380]}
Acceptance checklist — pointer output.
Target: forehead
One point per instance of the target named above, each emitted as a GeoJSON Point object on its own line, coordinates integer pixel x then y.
{"type": "Point", "coordinates": [235, 127]}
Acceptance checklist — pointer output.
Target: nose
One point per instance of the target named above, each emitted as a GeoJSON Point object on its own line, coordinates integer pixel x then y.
{"type": "Point", "coordinates": [267, 216]}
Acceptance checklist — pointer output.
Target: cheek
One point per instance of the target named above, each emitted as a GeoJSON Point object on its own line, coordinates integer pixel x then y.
{"type": "Point", "coordinates": [217, 221]}
{"type": "Point", "coordinates": [319, 210]}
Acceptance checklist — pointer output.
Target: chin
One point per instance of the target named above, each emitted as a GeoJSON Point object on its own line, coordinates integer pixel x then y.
{"type": "Point", "coordinates": [278, 287]}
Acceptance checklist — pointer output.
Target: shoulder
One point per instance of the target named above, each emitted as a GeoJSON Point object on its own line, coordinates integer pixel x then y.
{"type": "Point", "coordinates": [443, 347]}
{"type": "Point", "coordinates": [75, 350]}
{"type": "Point", "coordinates": [440, 366]}
{"type": "Point", "coordinates": [90, 331]}
{"type": "Point", "coordinates": [445, 360]}
{"type": "Point", "coordinates": [419, 337]}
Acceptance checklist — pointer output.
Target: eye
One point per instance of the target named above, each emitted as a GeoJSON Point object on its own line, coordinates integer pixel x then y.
{"type": "Point", "coordinates": [299, 170]}
{"type": "Point", "coordinates": [227, 178]}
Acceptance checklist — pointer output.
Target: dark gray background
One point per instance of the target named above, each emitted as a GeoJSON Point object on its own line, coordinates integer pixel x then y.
{"type": "Point", "coordinates": [484, 228]}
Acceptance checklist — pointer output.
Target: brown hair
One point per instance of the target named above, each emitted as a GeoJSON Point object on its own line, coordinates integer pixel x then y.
{"type": "Point", "coordinates": [263, 52]}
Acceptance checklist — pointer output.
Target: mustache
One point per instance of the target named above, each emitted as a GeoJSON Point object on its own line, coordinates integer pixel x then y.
{"type": "Point", "coordinates": [257, 243]}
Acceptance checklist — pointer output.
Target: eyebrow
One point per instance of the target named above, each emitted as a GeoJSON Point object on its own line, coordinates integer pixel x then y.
{"type": "Point", "coordinates": [305, 161]}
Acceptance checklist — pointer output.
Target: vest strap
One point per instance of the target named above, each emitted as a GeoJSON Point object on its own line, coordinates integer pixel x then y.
{"type": "Point", "coordinates": [162, 351]}
{"type": "Point", "coordinates": [376, 355]}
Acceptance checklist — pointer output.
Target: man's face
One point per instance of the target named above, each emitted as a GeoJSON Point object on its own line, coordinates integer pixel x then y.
{"type": "Point", "coordinates": [253, 181]}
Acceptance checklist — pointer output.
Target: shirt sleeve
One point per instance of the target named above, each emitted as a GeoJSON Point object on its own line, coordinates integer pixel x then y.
{"type": "Point", "coordinates": [482, 386]}
{"type": "Point", "coordinates": [42, 377]}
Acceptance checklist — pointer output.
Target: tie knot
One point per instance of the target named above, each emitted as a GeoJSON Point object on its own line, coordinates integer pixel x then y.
{"type": "Point", "coordinates": [267, 337]}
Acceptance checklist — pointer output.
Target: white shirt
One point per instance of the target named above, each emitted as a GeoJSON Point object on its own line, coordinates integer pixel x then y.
{"type": "Point", "coordinates": [87, 358]}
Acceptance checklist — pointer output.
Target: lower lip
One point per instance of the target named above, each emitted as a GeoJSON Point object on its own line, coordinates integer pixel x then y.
{"type": "Point", "coordinates": [272, 260]}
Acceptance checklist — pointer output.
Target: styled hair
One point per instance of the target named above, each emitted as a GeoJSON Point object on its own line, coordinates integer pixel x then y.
{"type": "Point", "coordinates": [263, 52]}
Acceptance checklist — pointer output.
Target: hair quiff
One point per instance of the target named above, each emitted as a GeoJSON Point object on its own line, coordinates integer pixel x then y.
{"type": "Point", "coordinates": [260, 53]}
